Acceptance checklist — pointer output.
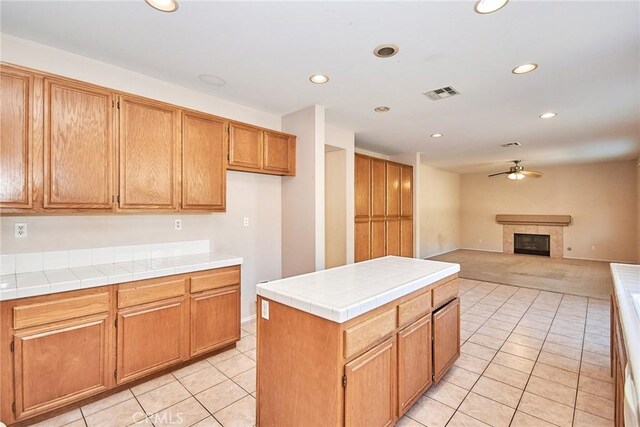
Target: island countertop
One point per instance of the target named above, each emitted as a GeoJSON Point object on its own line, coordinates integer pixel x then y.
{"type": "Point", "coordinates": [342, 293]}
{"type": "Point", "coordinates": [626, 285]}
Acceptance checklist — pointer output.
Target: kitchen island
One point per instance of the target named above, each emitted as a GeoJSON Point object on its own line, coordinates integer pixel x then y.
{"type": "Point", "coordinates": [355, 345]}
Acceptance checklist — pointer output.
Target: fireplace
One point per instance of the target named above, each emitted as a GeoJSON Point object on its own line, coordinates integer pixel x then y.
{"type": "Point", "coordinates": [532, 244]}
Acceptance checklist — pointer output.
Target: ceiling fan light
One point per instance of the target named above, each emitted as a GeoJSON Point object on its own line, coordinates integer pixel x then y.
{"type": "Point", "coordinates": [489, 6]}
{"type": "Point", "coordinates": [516, 176]}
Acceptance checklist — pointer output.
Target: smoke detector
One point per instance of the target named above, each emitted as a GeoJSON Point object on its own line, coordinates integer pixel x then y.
{"type": "Point", "coordinates": [444, 92]}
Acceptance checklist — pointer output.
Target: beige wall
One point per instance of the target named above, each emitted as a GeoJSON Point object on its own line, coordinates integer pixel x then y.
{"type": "Point", "coordinates": [601, 198]}
{"type": "Point", "coordinates": [335, 207]}
{"type": "Point", "coordinates": [303, 195]}
{"type": "Point", "coordinates": [438, 211]}
{"type": "Point", "coordinates": [638, 207]}
{"type": "Point", "coordinates": [257, 197]}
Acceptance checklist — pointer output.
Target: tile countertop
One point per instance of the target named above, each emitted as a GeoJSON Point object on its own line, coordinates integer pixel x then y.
{"type": "Point", "coordinates": [342, 293]}
{"type": "Point", "coordinates": [626, 285]}
{"type": "Point", "coordinates": [46, 282]}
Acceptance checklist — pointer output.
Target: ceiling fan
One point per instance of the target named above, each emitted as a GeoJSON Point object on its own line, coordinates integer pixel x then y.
{"type": "Point", "coordinates": [517, 172]}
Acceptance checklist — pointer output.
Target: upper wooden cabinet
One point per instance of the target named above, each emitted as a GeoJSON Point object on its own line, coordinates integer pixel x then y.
{"type": "Point", "coordinates": [203, 162]}
{"type": "Point", "coordinates": [406, 190]}
{"type": "Point", "coordinates": [362, 178]}
{"type": "Point", "coordinates": [245, 147]}
{"type": "Point", "coordinates": [149, 150]}
{"type": "Point", "coordinates": [16, 93]}
{"type": "Point", "coordinates": [392, 206]}
{"type": "Point", "coordinates": [70, 146]}
{"type": "Point", "coordinates": [78, 146]}
{"type": "Point", "coordinates": [252, 149]}
{"type": "Point", "coordinates": [378, 188]}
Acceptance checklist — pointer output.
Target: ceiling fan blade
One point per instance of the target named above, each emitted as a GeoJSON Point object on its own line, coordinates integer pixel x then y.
{"type": "Point", "coordinates": [532, 174]}
{"type": "Point", "coordinates": [499, 173]}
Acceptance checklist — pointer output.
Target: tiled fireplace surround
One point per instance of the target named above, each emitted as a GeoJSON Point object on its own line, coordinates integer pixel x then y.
{"type": "Point", "coordinates": [555, 231]}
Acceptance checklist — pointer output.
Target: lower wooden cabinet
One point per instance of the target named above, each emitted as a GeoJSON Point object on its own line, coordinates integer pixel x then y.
{"type": "Point", "coordinates": [392, 236]}
{"type": "Point", "coordinates": [446, 338]}
{"type": "Point", "coordinates": [213, 319]}
{"type": "Point", "coordinates": [362, 240]}
{"type": "Point", "coordinates": [59, 364]}
{"type": "Point", "coordinates": [59, 349]}
{"type": "Point", "coordinates": [377, 238]}
{"type": "Point", "coordinates": [150, 338]}
{"type": "Point", "coordinates": [414, 373]}
{"type": "Point", "coordinates": [365, 405]}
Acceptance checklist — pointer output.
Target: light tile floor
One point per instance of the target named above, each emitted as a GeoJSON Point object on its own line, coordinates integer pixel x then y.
{"type": "Point", "coordinates": [528, 358]}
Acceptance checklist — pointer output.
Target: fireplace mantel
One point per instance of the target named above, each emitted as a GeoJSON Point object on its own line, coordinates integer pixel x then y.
{"type": "Point", "coordinates": [561, 220]}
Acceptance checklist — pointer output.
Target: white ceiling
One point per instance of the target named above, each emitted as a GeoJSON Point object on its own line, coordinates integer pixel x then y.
{"type": "Point", "coordinates": [589, 56]}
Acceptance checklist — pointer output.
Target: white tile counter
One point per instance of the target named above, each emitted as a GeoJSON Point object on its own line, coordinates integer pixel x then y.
{"type": "Point", "coordinates": [342, 293]}
{"type": "Point", "coordinates": [42, 273]}
{"type": "Point", "coordinates": [626, 285]}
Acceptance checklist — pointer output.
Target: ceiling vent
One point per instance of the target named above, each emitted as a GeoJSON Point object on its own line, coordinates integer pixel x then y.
{"type": "Point", "coordinates": [445, 92]}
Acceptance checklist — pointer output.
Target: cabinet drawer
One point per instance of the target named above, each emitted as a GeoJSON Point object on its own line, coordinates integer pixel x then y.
{"type": "Point", "coordinates": [25, 316]}
{"type": "Point", "coordinates": [216, 279]}
{"type": "Point", "coordinates": [445, 292]}
{"type": "Point", "coordinates": [155, 291]}
{"type": "Point", "coordinates": [414, 308]}
{"type": "Point", "coordinates": [363, 334]}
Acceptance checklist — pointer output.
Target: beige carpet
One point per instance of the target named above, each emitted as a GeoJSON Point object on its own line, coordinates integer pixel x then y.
{"type": "Point", "coordinates": [569, 276]}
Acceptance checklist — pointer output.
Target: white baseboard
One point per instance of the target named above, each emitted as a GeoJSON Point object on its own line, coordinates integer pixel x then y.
{"type": "Point", "coordinates": [483, 250]}
{"type": "Point", "coordinates": [248, 319]}
{"type": "Point", "coordinates": [597, 259]}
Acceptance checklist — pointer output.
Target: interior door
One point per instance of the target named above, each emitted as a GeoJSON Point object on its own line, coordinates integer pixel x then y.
{"type": "Point", "coordinates": [414, 362]}
{"type": "Point", "coordinates": [446, 337]}
{"type": "Point", "coordinates": [370, 392]}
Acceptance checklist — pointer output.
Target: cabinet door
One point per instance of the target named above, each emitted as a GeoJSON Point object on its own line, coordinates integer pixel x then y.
{"type": "Point", "coordinates": [392, 207]}
{"type": "Point", "coordinates": [215, 319]}
{"type": "Point", "coordinates": [245, 146]}
{"type": "Point", "coordinates": [78, 146]}
{"type": "Point", "coordinates": [149, 152]}
{"type": "Point", "coordinates": [203, 162]}
{"type": "Point", "coordinates": [377, 238]}
{"type": "Point", "coordinates": [406, 237]}
{"type": "Point", "coordinates": [392, 234]}
{"type": "Point", "coordinates": [16, 91]}
{"type": "Point", "coordinates": [362, 186]}
{"type": "Point", "coordinates": [414, 362]}
{"type": "Point", "coordinates": [378, 186]}
{"type": "Point", "coordinates": [279, 153]}
{"type": "Point", "coordinates": [362, 240]}
{"type": "Point", "coordinates": [57, 365]}
{"type": "Point", "coordinates": [446, 338]}
{"type": "Point", "coordinates": [150, 338]}
{"type": "Point", "coordinates": [367, 405]}
{"type": "Point", "coordinates": [406, 190]}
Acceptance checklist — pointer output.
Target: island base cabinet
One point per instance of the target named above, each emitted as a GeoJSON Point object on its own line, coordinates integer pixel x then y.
{"type": "Point", "coordinates": [60, 364]}
{"type": "Point", "coordinates": [414, 367]}
{"type": "Point", "coordinates": [367, 405]}
{"type": "Point", "coordinates": [214, 321]}
{"type": "Point", "coordinates": [446, 338]}
{"type": "Point", "coordinates": [149, 338]}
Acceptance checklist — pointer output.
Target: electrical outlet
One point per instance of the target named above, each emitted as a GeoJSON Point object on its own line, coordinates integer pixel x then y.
{"type": "Point", "coordinates": [265, 309]}
{"type": "Point", "coordinates": [178, 224]}
{"type": "Point", "coordinates": [593, 247]}
{"type": "Point", "coordinates": [246, 222]}
{"type": "Point", "coordinates": [20, 230]}
{"type": "Point", "coordinates": [479, 240]}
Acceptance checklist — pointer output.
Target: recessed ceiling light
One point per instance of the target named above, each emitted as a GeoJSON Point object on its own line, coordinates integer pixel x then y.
{"type": "Point", "coordinates": [524, 68]}
{"type": "Point", "coordinates": [386, 50]}
{"type": "Point", "coordinates": [548, 115]}
{"type": "Point", "coordinates": [381, 109]}
{"type": "Point", "coordinates": [163, 5]}
{"type": "Point", "coordinates": [319, 79]}
{"type": "Point", "coordinates": [210, 79]}
{"type": "Point", "coordinates": [488, 6]}
{"type": "Point", "coordinates": [436, 135]}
